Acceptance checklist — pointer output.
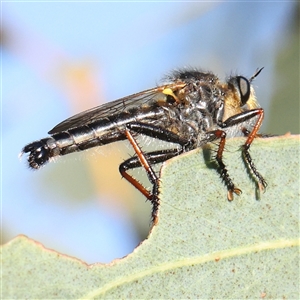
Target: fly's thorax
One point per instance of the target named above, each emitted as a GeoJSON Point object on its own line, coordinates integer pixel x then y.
{"type": "Point", "coordinates": [200, 107]}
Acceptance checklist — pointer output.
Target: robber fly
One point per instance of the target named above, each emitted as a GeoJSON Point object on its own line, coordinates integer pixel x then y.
{"type": "Point", "coordinates": [191, 109]}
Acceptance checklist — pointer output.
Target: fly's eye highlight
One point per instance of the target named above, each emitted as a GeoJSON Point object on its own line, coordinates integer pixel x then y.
{"type": "Point", "coordinates": [244, 89]}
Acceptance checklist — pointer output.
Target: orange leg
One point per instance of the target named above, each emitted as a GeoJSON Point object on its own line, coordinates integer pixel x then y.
{"type": "Point", "coordinates": [153, 197]}
{"type": "Point", "coordinates": [262, 184]}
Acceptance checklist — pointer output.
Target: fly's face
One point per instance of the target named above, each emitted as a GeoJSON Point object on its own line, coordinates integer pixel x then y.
{"type": "Point", "coordinates": [240, 96]}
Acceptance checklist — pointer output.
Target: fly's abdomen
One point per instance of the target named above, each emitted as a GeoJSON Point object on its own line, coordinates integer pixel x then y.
{"type": "Point", "coordinates": [97, 133]}
{"type": "Point", "coordinates": [39, 152]}
{"type": "Point", "coordinates": [73, 140]}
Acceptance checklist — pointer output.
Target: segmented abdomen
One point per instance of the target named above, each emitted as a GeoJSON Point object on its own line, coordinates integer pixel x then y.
{"type": "Point", "coordinates": [78, 139]}
{"type": "Point", "coordinates": [97, 133]}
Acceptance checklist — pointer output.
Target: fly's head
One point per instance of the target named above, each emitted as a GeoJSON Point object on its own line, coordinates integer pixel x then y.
{"type": "Point", "coordinates": [239, 95]}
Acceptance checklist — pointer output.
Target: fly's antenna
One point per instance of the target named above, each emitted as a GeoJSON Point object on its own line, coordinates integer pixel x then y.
{"type": "Point", "coordinates": [255, 74]}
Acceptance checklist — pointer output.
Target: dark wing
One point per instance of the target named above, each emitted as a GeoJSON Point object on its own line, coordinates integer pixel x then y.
{"type": "Point", "coordinates": [112, 108]}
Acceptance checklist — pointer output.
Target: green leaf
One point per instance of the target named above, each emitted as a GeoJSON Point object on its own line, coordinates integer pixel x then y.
{"type": "Point", "coordinates": [203, 245]}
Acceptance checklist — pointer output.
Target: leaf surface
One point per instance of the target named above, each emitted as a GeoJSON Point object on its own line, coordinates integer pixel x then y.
{"type": "Point", "coordinates": [203, 245]}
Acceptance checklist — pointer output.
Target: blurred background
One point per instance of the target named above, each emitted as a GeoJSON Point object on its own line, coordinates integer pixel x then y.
{"type": "Point", "coordinates": [59, 59]}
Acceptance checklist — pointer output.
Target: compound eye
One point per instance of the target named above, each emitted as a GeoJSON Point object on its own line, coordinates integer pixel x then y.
{"type": "Point", "coordinates": [244, 88]}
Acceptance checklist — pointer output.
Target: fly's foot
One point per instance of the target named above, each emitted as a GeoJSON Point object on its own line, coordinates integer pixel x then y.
{"type": "Point", "coordinates": [227, 180]}
{"type": "Point", "coordinates": [155, 206]}
{"type": "Point", "coordinates": [154, 217]}
{"type": "Point", "coordinates": [262, 184]}
{"type": "Point", "coordinates": [231, 191]}
{"type": "Point", "coordinates": [155, 203]}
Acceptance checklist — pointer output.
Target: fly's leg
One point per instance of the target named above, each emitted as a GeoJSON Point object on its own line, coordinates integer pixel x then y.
{"type": "Point", "coordinates": [220, 134]}
{"type": "Point", "coordinates": [259, 113]}
{"type": "Point", "coordinates": [146, 159]}
{"type": "Point", "coordinates": [153, 197]}
{"type": "Point", "coordinates": [158, 133]}
{"type": "Point", "coordinates": [162, 134]}
{"type": "Point", "coordinates": [141, 160]}
{"type": "Point", "coordinates": [154, 157]}
{"type": "Point", "coordinates": [262, 184]}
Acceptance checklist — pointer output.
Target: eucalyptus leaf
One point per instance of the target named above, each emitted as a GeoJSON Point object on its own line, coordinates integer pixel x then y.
{"type": "Point", "coordinates": [203, 246]}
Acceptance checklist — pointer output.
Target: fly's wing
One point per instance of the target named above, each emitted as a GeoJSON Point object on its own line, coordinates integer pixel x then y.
{"type": "Point", "coordinates": [113, 108]}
